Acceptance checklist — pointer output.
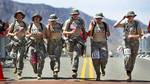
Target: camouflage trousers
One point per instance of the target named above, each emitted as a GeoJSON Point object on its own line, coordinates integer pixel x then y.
{"type": "Point", "coordinates": [37, 55]}
{"type": "Point", "coordinates": [74, 48]}
{"type": "Point", "coordinates": [130, 53]}
{"type": "Point", "coordinates": [99, 54]}
{"type": "Point", "coordinates": [2, 43]}
{"type": "Point", "coordinates": [17, 53]}
{"type": "Point", "coordinates": [54, 50]}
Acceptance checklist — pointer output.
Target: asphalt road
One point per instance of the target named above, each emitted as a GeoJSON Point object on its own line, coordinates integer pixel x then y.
{"type": "Point", "coordinates": [115, 72]}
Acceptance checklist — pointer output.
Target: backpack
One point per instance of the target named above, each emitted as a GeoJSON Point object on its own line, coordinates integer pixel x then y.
{"type": "Point", "coordinates": [32, 25]}
{"type": "Point", "coordinates": [105, 27]}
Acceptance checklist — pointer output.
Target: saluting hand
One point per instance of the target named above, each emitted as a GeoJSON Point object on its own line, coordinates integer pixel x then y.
{"type": "Point", "coordinates": [124, 17]}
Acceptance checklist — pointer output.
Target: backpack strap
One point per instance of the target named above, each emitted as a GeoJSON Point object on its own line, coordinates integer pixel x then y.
{"type": "Point", "coordinates": [41, 26]}
{"type": "Point", "coordinates": [60, 24]}
{"type": "Point", "coordinates": [82, 23]}
{"type": "Point", "coordinates": [106, 29]}
{"type": "Point", "coordinates": [2, 25]}
{"type": "Point", "coordinates": [30, 27]}
{"type": "Point", "coordinates": [105, 26]}
{"type": "Point", "coordinates": [70, 22]}
{"type": "Point", "coordinates": [136, 26]}
{"type": "Point", "coordinates": [13, 26]}
{"type": "Point", "coordinates": [25, 26]}
{"type": "Point", "coordinates": [93, 27]}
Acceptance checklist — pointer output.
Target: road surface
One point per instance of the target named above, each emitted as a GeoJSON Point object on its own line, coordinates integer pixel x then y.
{"type": "Point", "coordinates": [115, 73]}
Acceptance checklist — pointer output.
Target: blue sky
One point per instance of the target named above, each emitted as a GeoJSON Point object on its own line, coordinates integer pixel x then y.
{"type": "Point", "coordinates": [112, 9]}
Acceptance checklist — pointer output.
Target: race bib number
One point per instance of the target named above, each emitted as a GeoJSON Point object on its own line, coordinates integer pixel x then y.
{"type": "Point", "coordinates": [96, 54]}
{"type": "Point", "coordinates": [127, 51]}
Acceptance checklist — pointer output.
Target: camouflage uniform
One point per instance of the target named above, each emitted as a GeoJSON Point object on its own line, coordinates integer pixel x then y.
{"type": "Point", "coordinates": [36, 49]}
{"type": "Point", "coordinates": [101, 60]}
{"type": "Point", "coordinates": [74, 42]}
{"type": "Point", "coordinates": [132, 33]}
{"type": "Point", "coordinates": [18, 46]}
{"type": "Point", "coordinates": [131, 45]}
{"type": "Point", "coordinates": [54, 47]}
{"type": "Point", "coordinates": [99, 48]}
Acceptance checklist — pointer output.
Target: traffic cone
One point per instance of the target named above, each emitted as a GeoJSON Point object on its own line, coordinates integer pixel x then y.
{"type": "Point", "coordinates": [1, 73]}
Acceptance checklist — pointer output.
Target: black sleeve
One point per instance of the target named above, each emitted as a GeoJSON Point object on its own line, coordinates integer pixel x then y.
{"type": "Point", "coordinates": [106, 27]}
{"type": "Point", "coordinates": [2, 27]}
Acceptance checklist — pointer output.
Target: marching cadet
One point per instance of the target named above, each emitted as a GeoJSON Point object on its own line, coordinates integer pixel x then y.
{"type": "Point", "coordinates": [36, 48]}
{"type": "Point", "coordinates": [54, 46]}
{"type": "Point", "coordinates": [72, 29]}
{"type": "Point", "coordinates": [16, 33]}
{"type": "Point", "coordinates": [99, 32]}
{"type": "Point", "coordinates": [132, 33]}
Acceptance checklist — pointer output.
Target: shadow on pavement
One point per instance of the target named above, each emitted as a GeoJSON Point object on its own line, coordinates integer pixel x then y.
{"type": "Point", "coordinates": [121, 80]}
{"type": "Point", "coordinates": [70, 78]}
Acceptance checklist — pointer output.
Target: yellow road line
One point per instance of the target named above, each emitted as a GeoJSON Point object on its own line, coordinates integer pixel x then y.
{"type": "Point", "coordinates": [83, 70]}
{"type": "Point", "coordinates": [91, 71]}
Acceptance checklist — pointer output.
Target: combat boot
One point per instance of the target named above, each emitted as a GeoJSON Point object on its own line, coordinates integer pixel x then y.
{"type": "Point", "coordinates": [103, 72]}
{"type": "Point", "coordinates": [19, 77]}
{"type": "Point", "coordinates": [74, 75]}
{"type": "Point", "coordinates": [55, 75]}
{"type": "Point", "coordinates": [129, 76]}
{"type": "Point", "coordinates": [98, 78]}
{"type": "Point", "coordinates": [15, 70]}
{"type": "Point", "coordinates": [38, 77]}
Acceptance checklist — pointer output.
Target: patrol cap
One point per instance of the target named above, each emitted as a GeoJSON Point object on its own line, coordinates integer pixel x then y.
{"type": "Point", "coordinates": [131, 13]}
{"type": "Point", "coordinates": [75, 12]}
{"type": "Point", "coordinates": [99, 15]}
{"type": "Point", "coordinates": [36, 15]}
{"type": "Point", "coordinates": [19, 12]}
{"type": "Point", "coordinates": [53, 17]}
